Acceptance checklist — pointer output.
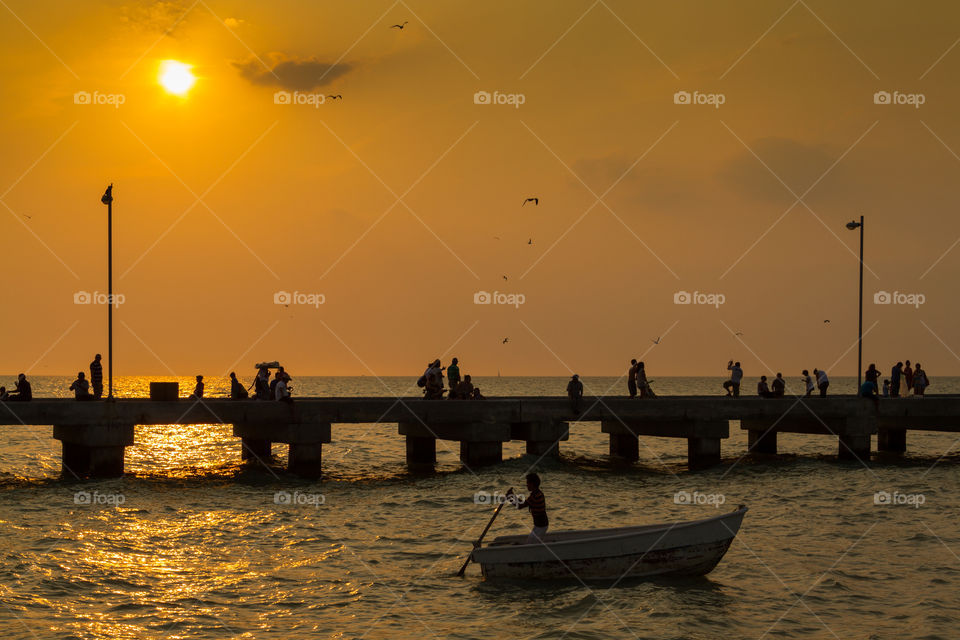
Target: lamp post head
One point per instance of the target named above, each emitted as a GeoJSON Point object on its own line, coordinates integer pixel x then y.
{"type": "Point", "coordinates": [107, 197]}
{"type": "Point", "coordinates": [853, 224]}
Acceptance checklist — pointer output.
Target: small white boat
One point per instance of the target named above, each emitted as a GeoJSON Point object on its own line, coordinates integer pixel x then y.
{"type": "Point", "coordinates": [678, 549]}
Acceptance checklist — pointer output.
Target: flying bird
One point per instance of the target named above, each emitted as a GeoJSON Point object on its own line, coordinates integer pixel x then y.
{"type": "Point", "coordinates": [400, 26]}
{"type": "Point", "coordinates": [826, 321]}
{"type": "Point", "coordinates": [530, 241]}
{"type": "Point", "coordinates": [535, 201]}
{"type": "Point", "coordinates": [336, 97]}
{"type": "Point", "coordinates": [505, 341]}
{"type": "Point", "coordinates": [657, 341]}
{"type": "Point", "coordinates": [505, 277]}
{"type": "Point", "coordinates": [738, 333]}
{"type": "Point", "coordinates": [496, 237]}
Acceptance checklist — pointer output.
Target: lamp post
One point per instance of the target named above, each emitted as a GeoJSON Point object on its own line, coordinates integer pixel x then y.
{"type": "Point", "coordinates": [853, 225]}
{"type": "Point", "coordinates": [107, 199]}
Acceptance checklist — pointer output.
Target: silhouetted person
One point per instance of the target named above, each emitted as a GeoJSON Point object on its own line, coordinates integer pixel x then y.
{"type": "Point", "coordinates": [280, 388]}
{"type": "Point", "coordinates": [575, 393]}
{"type": "Point", "coordinates": [808, 383]}
{"type": "Point", "coordinates": [908, 375]}
{"type": "Point", "coordinates": [22, 392]}
{"type": "Point", "coordinates": [96, 377]}
{"type": "Point", "coordinates": [434, 389]}
{"type": "Point", "coordinates": [4, 396]}
{"type": "Point", "coordinates": [632, 378]}
{"type": "Point", "coordinates": [81, 387]}
{"type": "Point", "coordinates": [886, 389]}
{"type": "Point", "coordinates": [642, 384]}
{"type": "Point", "coordinates": [920, 380]}
{"type": "Point", "coordinates": [262, 389]}
{"type": "Point", "coordinates": [736, 375]}
{"type": "Point", "coordinates": [198, 389]}
{"type": "Point", "coordinates": [823, 382]}
{"type": "Point", "coordinates": [453, 374]}
{"type": "Point", "coordinates": [869, 390]}
{"type": "Point", "coordinates": [476, 395]}
{"type": "Point", "coordinates": [872, 375]}
{"type": "Point", "coordinates": [464, 389]}
{"type": "Point", "coordinates": [763, 390]}
{"type": "Point", "coordinates": [537, 504]}
{"type": "Point", "coordinates": [237, 390]}
{"type": "Point", "coordinates": [895, 375]}
{"type": "Point", "coordinates": [779, 386]}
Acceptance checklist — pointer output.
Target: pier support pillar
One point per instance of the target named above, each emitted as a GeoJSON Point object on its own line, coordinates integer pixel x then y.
{"type": "Point", "coordinates": [304, 459]}
{"type": "Point", "coordinates": [542, 437]}
{"type": "Point", "coordinates": [543, 448]}
{"type": "Point", "coordinates": [256, 450]}
{"type": "Point", "coordinates": [854, 446]}
{"type": "Point", "coordinates": [762, 441]}
{"type": "Point", "coordinates": [625, 446]}
{"type": "Point", "coordinates": [478, 454]}
{"type": "Point", "coordinates": [703, 452]}
{"type": "Point", "coordinates": [421, 450]}
{"type": "Point", "coordinates": [94, 451]}
{"type": "Point", "coordinates": [892, 440]}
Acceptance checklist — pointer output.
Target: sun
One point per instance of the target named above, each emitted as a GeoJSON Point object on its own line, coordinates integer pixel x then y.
{"type": "Point", "coordinates": [176, 77]}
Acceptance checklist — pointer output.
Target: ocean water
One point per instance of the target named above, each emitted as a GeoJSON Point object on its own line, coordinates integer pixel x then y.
{"type": "Point", "coordinates": [191, 544]}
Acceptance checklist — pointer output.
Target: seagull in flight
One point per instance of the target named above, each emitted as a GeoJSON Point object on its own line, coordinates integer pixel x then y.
{"type": "Point", "coordinates": [400, 26]}
{"type": "Point", "coordinates": [535, 201]}
{"type": "Point", "coordinates": [738, 333]}
{"type": "Point", "coordinates": [826, 321]}
{"type": "Point", "coordinates": [530, 241]}
{"type": "Point", "coordinates": [505, 277]}
{"type": "Point", "coordinates": [657, 341]}
{"type": "Point", "coordinates": [336, 97]}
{"type": "Point", "coordinates": [505, 341]}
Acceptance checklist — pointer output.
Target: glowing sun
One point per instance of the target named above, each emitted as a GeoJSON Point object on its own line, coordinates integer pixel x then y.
{"type": "Point", "coordinates": [176, 77]}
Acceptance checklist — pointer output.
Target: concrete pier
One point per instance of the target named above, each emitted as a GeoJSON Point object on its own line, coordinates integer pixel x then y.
{"type": "Point", "coordinates": [94, 435]}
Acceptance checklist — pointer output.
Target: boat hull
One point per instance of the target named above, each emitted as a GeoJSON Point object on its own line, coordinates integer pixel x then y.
{"type": "Point", "coordinates": [678, 549]}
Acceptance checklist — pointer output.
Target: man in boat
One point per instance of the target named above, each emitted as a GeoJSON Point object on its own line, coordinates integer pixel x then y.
{"type": "Point", "coordinates": [537, 504]}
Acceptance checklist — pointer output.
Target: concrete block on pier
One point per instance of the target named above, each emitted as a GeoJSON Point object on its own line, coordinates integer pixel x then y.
{"type": "Point", "coordinates": [94, 451]}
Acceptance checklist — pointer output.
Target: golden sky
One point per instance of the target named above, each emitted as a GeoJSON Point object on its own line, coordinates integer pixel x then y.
{"type": "Point", "coordinates": [401, 201]}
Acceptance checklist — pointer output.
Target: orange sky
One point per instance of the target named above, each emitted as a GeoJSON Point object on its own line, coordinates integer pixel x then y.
{"type": "Point", "coordinates": [224, 197]}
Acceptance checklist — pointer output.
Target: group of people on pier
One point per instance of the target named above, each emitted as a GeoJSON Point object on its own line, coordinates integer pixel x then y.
{"type": "Point", "coordinates": [432, 382]}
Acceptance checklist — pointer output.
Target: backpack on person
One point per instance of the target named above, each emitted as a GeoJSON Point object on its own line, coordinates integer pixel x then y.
{"type": "Point", "coordinates": [422, 381]}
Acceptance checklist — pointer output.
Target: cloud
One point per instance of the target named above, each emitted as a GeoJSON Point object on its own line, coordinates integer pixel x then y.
{"type": "Point", "coordinates": [289, 72]}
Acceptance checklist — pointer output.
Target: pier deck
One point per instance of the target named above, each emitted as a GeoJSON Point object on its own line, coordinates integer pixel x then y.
{"type": "Point", "coordinates": [94, 434]}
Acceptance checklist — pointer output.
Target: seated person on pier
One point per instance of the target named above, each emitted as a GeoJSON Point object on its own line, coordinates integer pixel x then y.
{"type": "Point", "coordinates": [281, 389]}
{"type": "Point", "coordinates": [779, 386]}
{"type": "Point", "coordinates": [463, 390]}
{"type": "Point", "coordinates": [763, 390]}
{"type": "Point", "coordinates": [198, 390]}
{"type": "Point", "coordinates": [869, 390]}
{"type": "Point", "coordinates": [81, 387]}
{"type": "Point", "coordinates": [23, 392]}
{"type": "Point", "coordinates": [237, 391]}
{"type": "Point", "coordinates": [476, 395]}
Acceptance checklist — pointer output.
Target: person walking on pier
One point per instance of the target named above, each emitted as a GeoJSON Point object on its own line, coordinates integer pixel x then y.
{"type": "Point", "coordinates": [81, 387]}
{"type": "Point", "coordinates": [733, 384]}
{"type": "Point", "coordinates": [237, 390]}
{"type": "Point", "coordinates": [823, 382]}
{"type": "Point", "coordinates": [22, 392]}
{"type": "Point", "coordinates": [537, 503]}
{"type": "Point", "coordinates": [895, 375]}
{"type": "Point", "coordinates": [808, 382]}
{"type": "Point", "coordinates": [453, 374]}
{"type": "Point", "coordinates": [198, 389]}
{"type": "Point", "coordinates": [632, 378]}
{"type": "Point", "coordinates": [575, 393]}
{"type": "Point", "coordinates": [779, 386]}
{"type": "Point", "coordinates": [908, 376]}
{"type": "Point", "coordinates": [96, 377]}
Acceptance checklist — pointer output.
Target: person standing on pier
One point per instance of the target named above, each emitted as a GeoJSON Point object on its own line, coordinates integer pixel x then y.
{"type": "Point", "coordinates": [453, 374]}
{"type": "Point", "coordinates": [23, 391]}
{"type": "Point", "coordinates": [632, 378]}
{"type": "Point", "coordinates": [920, 381]}
{"type": "Point", "coordinates": [808, 383]}
{"type": "Point", "coordinates": [642, 383]}
{"type": "Point", "coordinates": [96, 377]}
{"type": "Point", "coordinates": [872, 375]}
{"type": "Point", "coordinates": [575, 393]}
{"type": "Point", "coordinates": [537, 503]}
{"type": "Point", "coordinates": [779, 386]}
{"type": "Point", "coordinates": [81, 387]}
{"type": "Point", "coordinates": [908, 376]}
{"type": "Point", "coordinates": [733, 384]}
{"type": "Point", "coordinates": [895, 375]}
{"type": "Point", "coordinates": [237, 390]}
{"type": "Point", "coordinates": [822, 381]}
{"type": "Point", "coordinates": [261, 385]}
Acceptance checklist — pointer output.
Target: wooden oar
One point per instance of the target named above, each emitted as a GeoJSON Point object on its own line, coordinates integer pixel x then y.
{"type": "Point", "coordinates": [476, 545]}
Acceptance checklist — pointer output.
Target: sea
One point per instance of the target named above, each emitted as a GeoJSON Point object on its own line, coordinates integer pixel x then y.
{"type": "Point", "coordinates": [191, 543]}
